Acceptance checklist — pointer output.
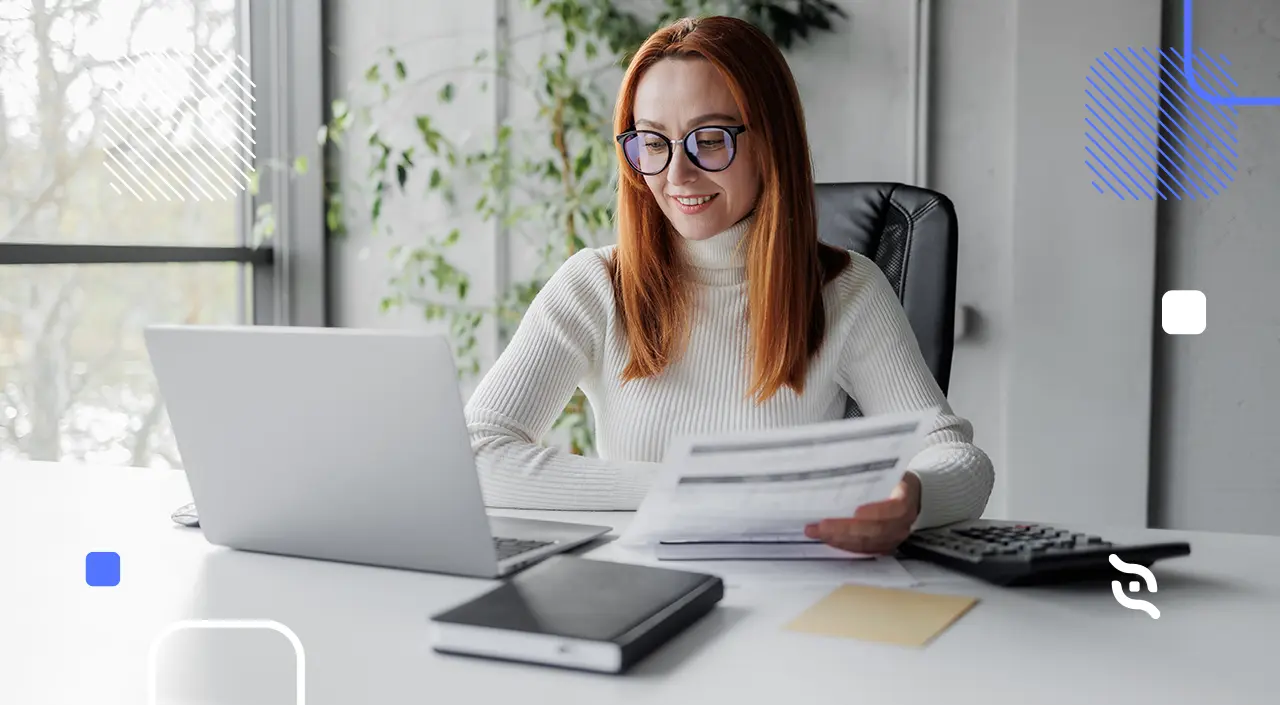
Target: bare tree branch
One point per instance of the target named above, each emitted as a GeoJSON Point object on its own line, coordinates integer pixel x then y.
{"type": "Point", "coordinates": [10, 426]}
{"type": "Point", "coordinates": [173, 460]}
{"type": "Point", "coordinates": [140, 450]}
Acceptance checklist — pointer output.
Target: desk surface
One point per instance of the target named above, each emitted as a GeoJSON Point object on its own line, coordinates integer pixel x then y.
{"type": "Point", "coordinates": [365, 638]}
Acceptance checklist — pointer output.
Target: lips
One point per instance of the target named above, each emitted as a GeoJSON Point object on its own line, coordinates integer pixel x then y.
{"type": "Point", "coordinates": [693, 200]}
{"type": "Point", "coordinates": [693, 204]}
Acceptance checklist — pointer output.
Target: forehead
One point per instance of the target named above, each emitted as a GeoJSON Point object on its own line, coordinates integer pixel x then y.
{"type": "Point", "coordinates": [674, 91]}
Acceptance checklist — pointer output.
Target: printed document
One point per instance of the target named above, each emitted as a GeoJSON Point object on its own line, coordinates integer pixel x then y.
{"type": "Point", "coordinates": [750, 495]}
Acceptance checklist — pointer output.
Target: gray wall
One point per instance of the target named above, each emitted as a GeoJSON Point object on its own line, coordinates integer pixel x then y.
{"type": "Point", "coordinates": [431, 36]}
{"type": "Point", "coordinates": [1058, 377]}
{"type": "Point", "coordinates": [1215, 456]}
{"type": "Point", "coordinates": [971, 158]}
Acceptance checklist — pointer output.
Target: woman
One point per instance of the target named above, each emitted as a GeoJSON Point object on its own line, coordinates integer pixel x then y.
{"type": "Point", "coordinates": [718, 310]}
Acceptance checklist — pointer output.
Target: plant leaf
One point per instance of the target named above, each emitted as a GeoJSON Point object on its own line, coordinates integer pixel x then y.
{"type": "Point", "coordinates": [582, 164]}
{"type": "Point", "coordinates": [429, 133]}
{"type": "Point", "coordinates": [446, 93]}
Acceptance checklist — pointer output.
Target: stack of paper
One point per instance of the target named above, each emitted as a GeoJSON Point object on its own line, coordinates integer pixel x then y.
{"type": "Point", "coordinates": [750, 495]}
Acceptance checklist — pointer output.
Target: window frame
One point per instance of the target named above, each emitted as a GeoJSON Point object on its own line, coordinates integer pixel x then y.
{"type": "Point", "coordinates": [283, 43]}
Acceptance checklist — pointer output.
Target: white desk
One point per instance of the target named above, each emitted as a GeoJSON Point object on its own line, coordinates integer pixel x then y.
{"type": "Point", "coordinates": [363, 629]}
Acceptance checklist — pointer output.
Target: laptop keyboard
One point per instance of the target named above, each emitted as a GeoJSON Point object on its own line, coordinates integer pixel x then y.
{"type": "Point", "coordinates": [506, 548]}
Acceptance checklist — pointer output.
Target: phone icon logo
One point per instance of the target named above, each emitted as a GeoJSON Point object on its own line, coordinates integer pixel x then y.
{"type": "Point", "coordinates": [1134, 586]}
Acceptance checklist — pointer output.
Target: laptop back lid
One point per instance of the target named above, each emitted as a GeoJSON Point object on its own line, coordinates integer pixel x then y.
{"type": "Point", "coordinates": [329, 443]}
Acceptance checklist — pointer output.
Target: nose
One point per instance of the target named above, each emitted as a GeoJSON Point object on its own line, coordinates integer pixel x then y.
{"type": "Point", "coordinates": [680, 170]}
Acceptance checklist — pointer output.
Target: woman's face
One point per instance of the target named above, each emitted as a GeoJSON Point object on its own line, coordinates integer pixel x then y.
{"type": "Point", "coordinates": [673, 98]}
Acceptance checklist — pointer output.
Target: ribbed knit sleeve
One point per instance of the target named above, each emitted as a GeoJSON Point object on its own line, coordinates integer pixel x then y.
{"type": "Point", "coordinates": [883, 370]}
{"type": "Point", "coordinates": [556, 345]}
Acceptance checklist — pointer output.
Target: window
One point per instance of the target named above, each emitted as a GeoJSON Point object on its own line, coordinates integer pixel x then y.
{"type": "Point", "coordinates": [130, 132]}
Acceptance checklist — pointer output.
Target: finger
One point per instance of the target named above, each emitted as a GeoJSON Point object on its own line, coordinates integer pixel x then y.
{"type": "Point", "coordinates": [882, 545]}
{"type": "Point", "coordinates": [861, 536]}
{"type": "Point", "coordinates": [885, 510]}
{"type": "Point", "coordinates": [851, 529]}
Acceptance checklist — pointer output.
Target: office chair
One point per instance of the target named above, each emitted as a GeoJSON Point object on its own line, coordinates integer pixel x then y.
{"type": "Point", "coordinates": [911, 233]}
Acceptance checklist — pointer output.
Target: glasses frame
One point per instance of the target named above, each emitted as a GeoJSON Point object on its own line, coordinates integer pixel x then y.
{"type": "Point", "coordinates": [732, 130]}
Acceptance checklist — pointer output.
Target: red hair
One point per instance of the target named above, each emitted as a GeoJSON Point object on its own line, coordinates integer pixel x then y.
{"type": "Point", "coordinates": [787, 266]}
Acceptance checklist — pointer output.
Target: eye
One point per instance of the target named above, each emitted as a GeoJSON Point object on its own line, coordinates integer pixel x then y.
{"type": "Point", "coordinates": [710, 140]}
{"type": "Point", "coordinates": [654, 145]}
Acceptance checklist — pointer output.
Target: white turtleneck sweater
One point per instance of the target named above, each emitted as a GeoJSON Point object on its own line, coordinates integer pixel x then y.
{"type": "Point", "coordinates": [570, 338]}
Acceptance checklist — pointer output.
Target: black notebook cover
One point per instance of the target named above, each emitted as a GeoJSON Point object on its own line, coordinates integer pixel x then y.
{"type": "Point", "coordinates": [567, 599]}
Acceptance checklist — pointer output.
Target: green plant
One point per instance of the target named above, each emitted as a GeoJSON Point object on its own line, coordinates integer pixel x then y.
{"type": "Point", "coordinates": [549, 182]}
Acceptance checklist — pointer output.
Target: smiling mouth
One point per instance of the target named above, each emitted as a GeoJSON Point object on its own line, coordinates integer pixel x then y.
{"type": "Point", "coordinates": [694, 200]}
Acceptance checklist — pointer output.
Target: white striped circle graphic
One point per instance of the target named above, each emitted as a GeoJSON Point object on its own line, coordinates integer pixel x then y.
{"type": "Point", "coordinates": [179, 127]}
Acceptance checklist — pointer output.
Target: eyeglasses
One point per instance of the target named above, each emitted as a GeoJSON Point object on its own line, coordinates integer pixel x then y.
{"type": "Point", "coordinates": [710, 148]}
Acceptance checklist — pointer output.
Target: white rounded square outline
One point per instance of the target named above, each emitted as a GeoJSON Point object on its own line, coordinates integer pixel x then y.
{"type": "Point", "coordinates": [300, 659]}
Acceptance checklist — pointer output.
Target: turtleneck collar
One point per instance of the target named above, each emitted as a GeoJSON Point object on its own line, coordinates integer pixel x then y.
{"type": "Point", "coordinates": [722, 258]}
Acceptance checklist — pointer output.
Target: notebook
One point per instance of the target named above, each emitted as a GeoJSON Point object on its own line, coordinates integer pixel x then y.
{"type": "Point", "coordinates": [578, 613]}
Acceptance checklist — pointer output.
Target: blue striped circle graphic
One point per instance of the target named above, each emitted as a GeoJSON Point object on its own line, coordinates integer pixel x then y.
{"type": "Point", "coordinates": [1148, 135]}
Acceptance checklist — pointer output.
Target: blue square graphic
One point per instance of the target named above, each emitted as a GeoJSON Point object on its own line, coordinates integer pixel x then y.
{"type": "Point", "coordinates": [102, 569]}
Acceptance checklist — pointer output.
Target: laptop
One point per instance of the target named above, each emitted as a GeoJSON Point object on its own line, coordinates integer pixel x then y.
{"type": "Point", "coordinates": [338, 444]}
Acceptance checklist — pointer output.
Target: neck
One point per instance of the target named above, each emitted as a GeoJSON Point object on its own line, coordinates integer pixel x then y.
{"type": "Point", "coordinates": [722, 258]}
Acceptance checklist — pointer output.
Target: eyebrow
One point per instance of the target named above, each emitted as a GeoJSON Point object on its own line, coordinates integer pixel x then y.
{"type": "Point", "coordinates": [721, 117]}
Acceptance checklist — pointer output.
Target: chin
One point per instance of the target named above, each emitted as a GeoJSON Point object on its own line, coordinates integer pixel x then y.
{"type": "Point", "coordinates": [697, 227]}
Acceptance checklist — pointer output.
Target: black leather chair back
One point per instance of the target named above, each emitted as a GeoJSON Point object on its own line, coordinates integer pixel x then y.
{"type": "Point", "coordinates": [912, 234]}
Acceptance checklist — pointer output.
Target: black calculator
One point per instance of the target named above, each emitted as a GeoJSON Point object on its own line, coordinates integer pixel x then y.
{"type": "Point", "coordinates": [1022, 553]}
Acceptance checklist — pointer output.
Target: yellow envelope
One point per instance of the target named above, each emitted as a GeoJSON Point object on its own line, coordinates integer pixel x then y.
{"type": "Point", "coordinates": [903, 617]}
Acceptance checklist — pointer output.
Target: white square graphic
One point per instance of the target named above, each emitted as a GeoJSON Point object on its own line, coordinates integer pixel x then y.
{"type": "Point", "coordinates": [300, 664]}
{"type": "Point", "coordinates": [1183, 312]}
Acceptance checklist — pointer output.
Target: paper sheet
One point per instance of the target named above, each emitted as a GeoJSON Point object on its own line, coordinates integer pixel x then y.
{"type": "Point", "coordinates": [751, 550]}
{"type": "Point", "coordinates": [765, 486]}
{"type": "Point", "coordinates": [891, 616]}
{"type": "Point", "coordinates": [883, 571]}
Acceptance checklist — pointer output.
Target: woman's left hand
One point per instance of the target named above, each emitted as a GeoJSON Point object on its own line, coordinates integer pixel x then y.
{"type": "Point", "coordinates": [875, 528]}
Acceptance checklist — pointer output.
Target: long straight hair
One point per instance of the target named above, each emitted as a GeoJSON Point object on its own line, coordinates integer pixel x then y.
{"type": "Point", "coordinates": [786, 265]}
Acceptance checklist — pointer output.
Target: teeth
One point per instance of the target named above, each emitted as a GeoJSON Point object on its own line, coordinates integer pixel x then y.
{"type": "Point", "coordinates": [693, 201]}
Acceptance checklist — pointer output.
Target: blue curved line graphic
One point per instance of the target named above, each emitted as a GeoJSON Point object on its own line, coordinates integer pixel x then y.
{"type": "Point", "coordinates": [1188, 68]}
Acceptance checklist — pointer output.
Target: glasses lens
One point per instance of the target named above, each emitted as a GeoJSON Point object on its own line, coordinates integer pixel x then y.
{"type": "Point", "coordinates": [646, 152]}
{"type": "Point", "coordinates": [711, 148]}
